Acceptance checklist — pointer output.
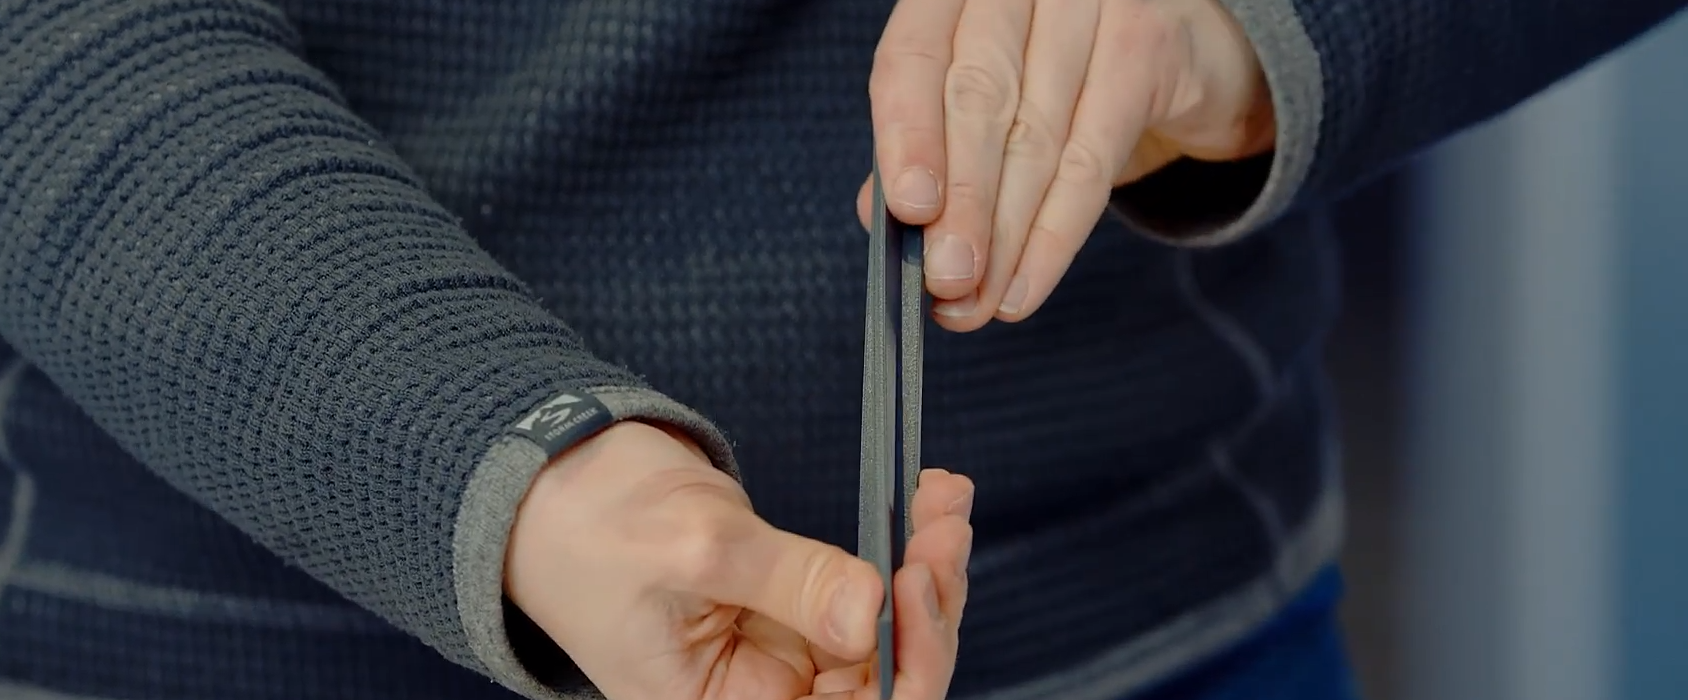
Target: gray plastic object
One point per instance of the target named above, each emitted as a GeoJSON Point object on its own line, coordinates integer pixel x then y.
{"type": "Point", "coordinates": [891, 378]}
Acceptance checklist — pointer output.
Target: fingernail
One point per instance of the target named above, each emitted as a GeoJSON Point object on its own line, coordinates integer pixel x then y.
{"type": "Point", "coordinates": [961, 506]}
{"type": "Point", "coordinates": [950, 258]}
{"type": "Point", "coordinates": [843, 613]}
{"type": "Point", "coordinates": [929, 593]}
{"type": "Point", "coordinates": [1015, 298]}
{"type": "Point", "coordinates": [960, 308]}
{"type": "Point", "coordinates": [916, 188]}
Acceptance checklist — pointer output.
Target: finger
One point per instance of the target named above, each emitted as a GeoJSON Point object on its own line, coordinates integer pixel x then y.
{"type": "Point", "coordinates": [1057, 58]}
{"type": "Point", "coordinates": [926, 645]}
{"type": "Point", "coordinates": [925, 655]}
{"type": "Point", "coordinates": [821, 591]}
{"type": "Point", "coordinates": [776, 640]}
{"type": "Point", "coordinates": [940, 493]}
{"type": "Point", "coordinates": [906, 89]}
{"type": "Point", "coordinates": [981, 92]}
{"type": "Point", "coordinates": [945, 546]}
{"type": "Point", "coordinates": [1112, 111]}
{"type": "Point", "coordinates": [864, 204]}
{"type": "Point", "coordinates": [842, 680]}
{"type": "Point", "coordinates": [827, 661]}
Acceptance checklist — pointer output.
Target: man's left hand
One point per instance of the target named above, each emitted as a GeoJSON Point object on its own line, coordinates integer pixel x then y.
{"type": "Point", "coordinates": [1004, 125]}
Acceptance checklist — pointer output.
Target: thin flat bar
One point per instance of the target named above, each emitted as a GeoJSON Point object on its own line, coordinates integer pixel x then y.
{"type": "Point", "coordinates": [912, 364]}
{"type": "Point", "coordinates": [891, 386]}
{"type": "Point", "coordinates": [880, 432]}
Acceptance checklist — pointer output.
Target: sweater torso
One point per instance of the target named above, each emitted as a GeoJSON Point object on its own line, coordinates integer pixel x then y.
{"type": "Point", "coordinates": [676, 181]}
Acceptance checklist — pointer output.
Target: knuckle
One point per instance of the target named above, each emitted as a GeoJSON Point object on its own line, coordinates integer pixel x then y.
{"type": "Point", "coordinates": [973, 89]}
{"type": "Point", "coordinates": [1031, 135]}
{"type": "Point", "coordinates": [895, 61]}
{"type": "Point", "coordinates": [1146, 30]}
{"type": "Point", "coordinates": [879, 85]}
{"type": "Point", "coordinates": [1044, 233]}
{"type": "Point", "coordinates": [1082, 164]}
{"type": "Point", "coordinates": [970, 198]}
{"type": "Point", "coordinates": [697, 554]}
{"type": "Point", "coordinates": [822, 571]}
{"type": "Point", "coordinates": [884, 85]}
{"type": "Point", "coordinates": [900, 50]}
{"type": "Point", "coordinates": [913, 141]}
{"type": "Point", "coordinates": [1058, 237]}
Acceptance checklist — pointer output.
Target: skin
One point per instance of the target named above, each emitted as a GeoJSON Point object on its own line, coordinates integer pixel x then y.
{"type": "Point", "coordinates": [1001, 125]}
{"type": "Point", "coordinates": [690, 595]}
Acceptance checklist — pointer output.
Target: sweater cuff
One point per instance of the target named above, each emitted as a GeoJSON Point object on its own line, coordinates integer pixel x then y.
{"type": "Point", "coordinates": [1196, 203]}
{"type": "Point", "coordinates": [509, 647]}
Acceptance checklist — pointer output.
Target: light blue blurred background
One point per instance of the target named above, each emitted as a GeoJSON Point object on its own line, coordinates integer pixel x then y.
{"type": "Point", "coordinates": [1514, 361]}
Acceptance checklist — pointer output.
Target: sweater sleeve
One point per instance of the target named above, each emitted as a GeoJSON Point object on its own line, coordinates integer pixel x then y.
{"type": "Point", "coordinates": [1360, 85]}
{"type": "Point", "coordinates": [232, 275]}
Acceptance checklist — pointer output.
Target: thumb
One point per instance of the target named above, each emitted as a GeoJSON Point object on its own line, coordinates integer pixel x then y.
{"type": "Point", "coordinates": [824, 593]}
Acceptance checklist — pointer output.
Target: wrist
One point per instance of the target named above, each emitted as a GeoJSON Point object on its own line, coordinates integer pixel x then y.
{"type": "Point", "coordinates": [608, 447]}
{"type": "Point", "coordinates": [1237, 120]}
{"type": "Point", "coordinates": [673, 432]}
{"type": "Point", "coordinates": [574, 492]}
{"type": "Point", "coordinates": [546, 516]}
{"type": "Point", "coordinates": [1258, 119]}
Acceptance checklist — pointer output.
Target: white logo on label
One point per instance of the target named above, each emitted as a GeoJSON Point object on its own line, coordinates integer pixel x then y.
{"type": "Point", "coordinates": [553, 412]}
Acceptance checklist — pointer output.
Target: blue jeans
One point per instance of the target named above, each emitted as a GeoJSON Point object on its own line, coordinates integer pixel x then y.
{"type": "Point", "coordinates": [1299, 655]}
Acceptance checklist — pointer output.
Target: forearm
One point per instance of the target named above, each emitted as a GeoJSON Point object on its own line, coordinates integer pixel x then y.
{"type": "Point", "coordinates": [1401, 75]}
{"type": "Point", "coordinates": [228, 271]}
{"type": "Point", "coordinates": [1359, 85]}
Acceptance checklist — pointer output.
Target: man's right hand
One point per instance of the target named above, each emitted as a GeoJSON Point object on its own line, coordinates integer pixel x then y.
{"type": "Point", "coordinates": [646, 564]}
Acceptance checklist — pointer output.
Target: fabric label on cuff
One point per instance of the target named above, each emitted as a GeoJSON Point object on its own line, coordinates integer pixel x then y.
{"type": "Point", "coordinates": [564, 421]}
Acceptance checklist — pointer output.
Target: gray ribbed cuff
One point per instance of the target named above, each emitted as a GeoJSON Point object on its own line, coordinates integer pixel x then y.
{"type": "Point", "coordinates": [488, 511]}
{"type": "Point", "coordinates": [1208, 204]}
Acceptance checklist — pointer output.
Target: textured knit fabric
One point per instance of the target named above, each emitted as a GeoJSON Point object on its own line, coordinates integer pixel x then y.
{"type": "Point", "coordinates": [277, 280]}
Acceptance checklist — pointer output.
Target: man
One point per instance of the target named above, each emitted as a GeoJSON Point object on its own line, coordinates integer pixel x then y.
{"type": "Point", "coordinates": [336, 331]}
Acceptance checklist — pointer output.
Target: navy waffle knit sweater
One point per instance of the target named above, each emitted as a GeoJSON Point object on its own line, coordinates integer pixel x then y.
{"type": "Point", "coordinates": [278, 279]}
